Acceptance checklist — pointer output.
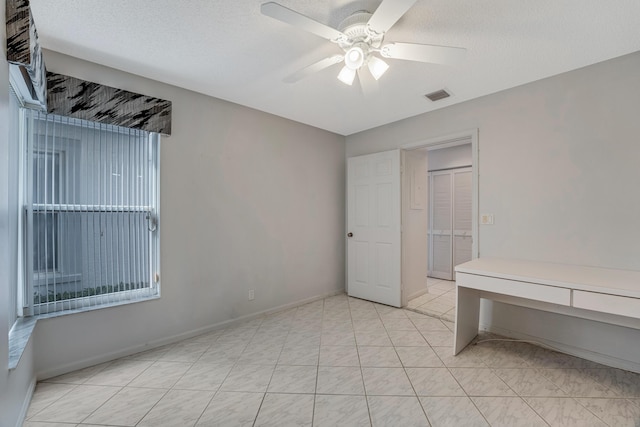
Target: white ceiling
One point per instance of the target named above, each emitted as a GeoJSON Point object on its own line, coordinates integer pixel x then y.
{"type": "Point", "coordinates": [227, 49]}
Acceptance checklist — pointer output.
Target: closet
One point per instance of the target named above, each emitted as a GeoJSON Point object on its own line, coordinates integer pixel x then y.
{"type": "Point", "coordinates": [449, 235]}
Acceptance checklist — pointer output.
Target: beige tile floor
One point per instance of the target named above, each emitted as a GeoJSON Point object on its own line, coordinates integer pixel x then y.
{"type": "Point", "coordinates": [340, 361]}
{"type": "Point", "coordinates": [439, 301]}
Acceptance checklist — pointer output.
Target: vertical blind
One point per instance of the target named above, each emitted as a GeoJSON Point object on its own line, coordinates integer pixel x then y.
{"type": "Point", "coordinates": [91, 199]}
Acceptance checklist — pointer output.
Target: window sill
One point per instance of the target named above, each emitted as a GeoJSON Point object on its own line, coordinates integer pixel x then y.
{"type": "Point", "coordinates": [22, 329]}
{"type": "Point", "coordinates": [19, 338]}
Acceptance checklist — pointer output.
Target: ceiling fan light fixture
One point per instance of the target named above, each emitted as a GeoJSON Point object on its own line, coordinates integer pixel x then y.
{"type": "Point", "coordinates": [377, 67]}
{"type": "Point", "coordinates": [347, 75]}
{"type": "Point", "coordinates": [354, 58]}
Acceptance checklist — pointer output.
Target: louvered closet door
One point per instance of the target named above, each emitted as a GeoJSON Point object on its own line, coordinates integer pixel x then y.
{"type": "Point", "coordinates": [462, 195]}
{"type": "Point", "coordinates": [441, 220]}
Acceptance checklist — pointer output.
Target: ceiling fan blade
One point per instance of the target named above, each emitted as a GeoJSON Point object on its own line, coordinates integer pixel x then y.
{"type": "Point", "coordinates": [424, 53]}
{"type": "Point", "coordinates": [291, 17]}
{"type": "Point", "coordinates": [314, 68]}
{"type": "Point", "coordinates": [368, 85]}
{"type": "Point", "coordinates": [388, 14]}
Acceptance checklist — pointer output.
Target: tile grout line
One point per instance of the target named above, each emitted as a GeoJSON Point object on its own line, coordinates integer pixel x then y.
{"type": "Point", "coordinates": [228, 373]}
{"type": "Point", "coordinates": [364, 388]}
{"type": "Point", "coordinates": [534, 361]}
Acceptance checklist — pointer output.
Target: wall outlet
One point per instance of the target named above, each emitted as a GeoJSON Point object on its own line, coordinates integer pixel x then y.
{"type": "Point", "coordinates": [486, 219]}
{"type": "Point", "coordinates": [251, 295]}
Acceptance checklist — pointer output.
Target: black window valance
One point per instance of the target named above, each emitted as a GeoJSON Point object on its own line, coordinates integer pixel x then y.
{"type": "Point", "coordinates": [72, 97]}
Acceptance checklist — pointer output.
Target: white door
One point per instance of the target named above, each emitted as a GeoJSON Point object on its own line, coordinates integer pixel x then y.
{"type": "Point", "coordinates": [450, 230]}
{"type": "Point", "coordinates": [373, 227]}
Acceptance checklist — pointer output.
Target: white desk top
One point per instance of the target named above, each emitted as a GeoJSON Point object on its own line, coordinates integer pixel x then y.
{"type": "Point", "coordinates": [603, 280]}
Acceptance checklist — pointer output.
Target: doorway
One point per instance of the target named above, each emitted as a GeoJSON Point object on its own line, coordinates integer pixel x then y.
{"type": "Point", "coordinates": [452, 182]}
{"type": "Point", "coordinates": [387, 254]}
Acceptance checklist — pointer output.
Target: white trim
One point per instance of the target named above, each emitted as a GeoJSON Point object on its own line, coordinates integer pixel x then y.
{"type": "Point", "coordinates": [416, 295]}
{"type": "Point", "coordinates": [448, 140]}
{"type": "Point", "coordinates": [128, 351]}
{"type": "Point", "coordinates": [69, 306]}
{"type": "Point", "coordinates": [156, 265]}
{"type": "Point", "coordinates": [603, 359]}
{"type": "Point", "coordinates": [19, 86]}
{"type": "Point", "coordinates": [453, 140]}
{"type": "Point", "coordinates": [25, 404]}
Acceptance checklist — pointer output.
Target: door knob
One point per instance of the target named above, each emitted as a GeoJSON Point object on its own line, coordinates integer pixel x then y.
{"type": "Point", "coordinates": [349, 234]}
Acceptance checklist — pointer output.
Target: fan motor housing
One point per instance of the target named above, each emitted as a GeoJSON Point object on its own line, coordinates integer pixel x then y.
{"type": "Point", "coordinates": [355, 27]}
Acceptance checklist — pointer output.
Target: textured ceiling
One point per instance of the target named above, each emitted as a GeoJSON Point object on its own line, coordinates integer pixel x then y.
{"type": "Point", "coordinates": [228, 50]}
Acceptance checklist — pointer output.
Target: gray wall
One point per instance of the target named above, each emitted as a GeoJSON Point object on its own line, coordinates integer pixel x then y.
{"type": "Point", "coordinates": [248, 201]}
{"type": "Point", "coordinates": [14, 384]}
{"type": "Point", "coordinates": [558, 165]}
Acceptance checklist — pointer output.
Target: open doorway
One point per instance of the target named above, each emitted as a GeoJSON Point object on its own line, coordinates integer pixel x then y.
{"type": "Point", "coordinates": [452, 183]}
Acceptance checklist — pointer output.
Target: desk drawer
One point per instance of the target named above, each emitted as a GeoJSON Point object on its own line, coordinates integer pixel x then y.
{"type": "Point", "coordinates": [623, 306]}
{"type": "Point", "coordinates": [532, 291]}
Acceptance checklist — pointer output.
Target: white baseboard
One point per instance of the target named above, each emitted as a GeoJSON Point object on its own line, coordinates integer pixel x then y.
{"type": "Point", "coordinates": [106, 357]}
{"type": "Point", "coordinates": [25, 404]}
{"type": "Point", "coordinates": [416, 294]}
{"type": "Point", "coordinates": [604, 359]}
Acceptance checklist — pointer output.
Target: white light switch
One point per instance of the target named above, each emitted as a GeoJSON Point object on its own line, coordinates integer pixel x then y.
{"type": "Point", "coordinates": [486, 219]}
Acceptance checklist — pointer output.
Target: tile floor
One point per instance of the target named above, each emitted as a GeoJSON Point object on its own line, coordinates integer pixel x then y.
{"type": "Point", "coordinates": [439, 301]}
{"type": "Point", "coordinates": [340, 361]}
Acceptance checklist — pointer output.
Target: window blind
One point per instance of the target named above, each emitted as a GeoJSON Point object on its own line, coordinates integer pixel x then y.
{"type": "Point", "coordinates": [91, 213]}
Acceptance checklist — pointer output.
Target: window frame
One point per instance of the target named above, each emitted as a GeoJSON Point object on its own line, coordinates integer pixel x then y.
{"type": "Point", "coordinates": [30, 278]}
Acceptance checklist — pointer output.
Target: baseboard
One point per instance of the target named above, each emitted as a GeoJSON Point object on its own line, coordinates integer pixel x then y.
{"type": "Point", "coordinates": [25, 404]}
{"type": "Point", "coordinates": [582, 353]}
{"type": "Point", "coordinates": [416, 295]}
{"type": "Point", "coordinates": [128, 351]}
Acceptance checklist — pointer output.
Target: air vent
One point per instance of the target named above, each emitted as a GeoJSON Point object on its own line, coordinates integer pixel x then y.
{"type": "Point", "coordinates": [438, 95]}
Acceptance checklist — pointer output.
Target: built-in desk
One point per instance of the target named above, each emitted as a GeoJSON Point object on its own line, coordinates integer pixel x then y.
{"type": "Point", "coordinates": [604, 295]}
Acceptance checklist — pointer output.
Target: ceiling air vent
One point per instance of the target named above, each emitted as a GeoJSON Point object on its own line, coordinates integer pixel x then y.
{"type": "Point", "coordinates": [438, 95]}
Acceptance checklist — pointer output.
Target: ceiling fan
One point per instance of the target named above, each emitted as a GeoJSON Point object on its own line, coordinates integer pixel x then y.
{"type": "Point", "coordinates": [361, 37]}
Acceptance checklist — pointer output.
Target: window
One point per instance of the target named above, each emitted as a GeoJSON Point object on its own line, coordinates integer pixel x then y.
{"type": "Point", "coordinates": [90, 194]}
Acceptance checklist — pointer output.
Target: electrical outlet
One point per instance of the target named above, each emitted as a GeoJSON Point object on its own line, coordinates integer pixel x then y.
{"type": "Point", "coordinates": [486, 219]}
{"type": "Point", "coordinates": [251, 295]}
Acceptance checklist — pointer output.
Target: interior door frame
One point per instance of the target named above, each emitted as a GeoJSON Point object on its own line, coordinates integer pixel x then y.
{"type": "Point", "coordinates": [453, 140]}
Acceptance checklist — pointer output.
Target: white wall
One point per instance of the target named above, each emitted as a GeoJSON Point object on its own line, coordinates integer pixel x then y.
{"type": "Point", "coordinates": [451, 157]}
{"type": "Point", "coordinates": [248, 201]}
{"type": "Point", "coordinates": [558, 165]}
{"type": "Point", "coordinates": [14, 384]}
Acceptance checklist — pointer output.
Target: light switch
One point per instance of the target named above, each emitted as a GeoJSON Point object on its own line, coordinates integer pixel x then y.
{"type": "Point", "coordinates": [486, 219]}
